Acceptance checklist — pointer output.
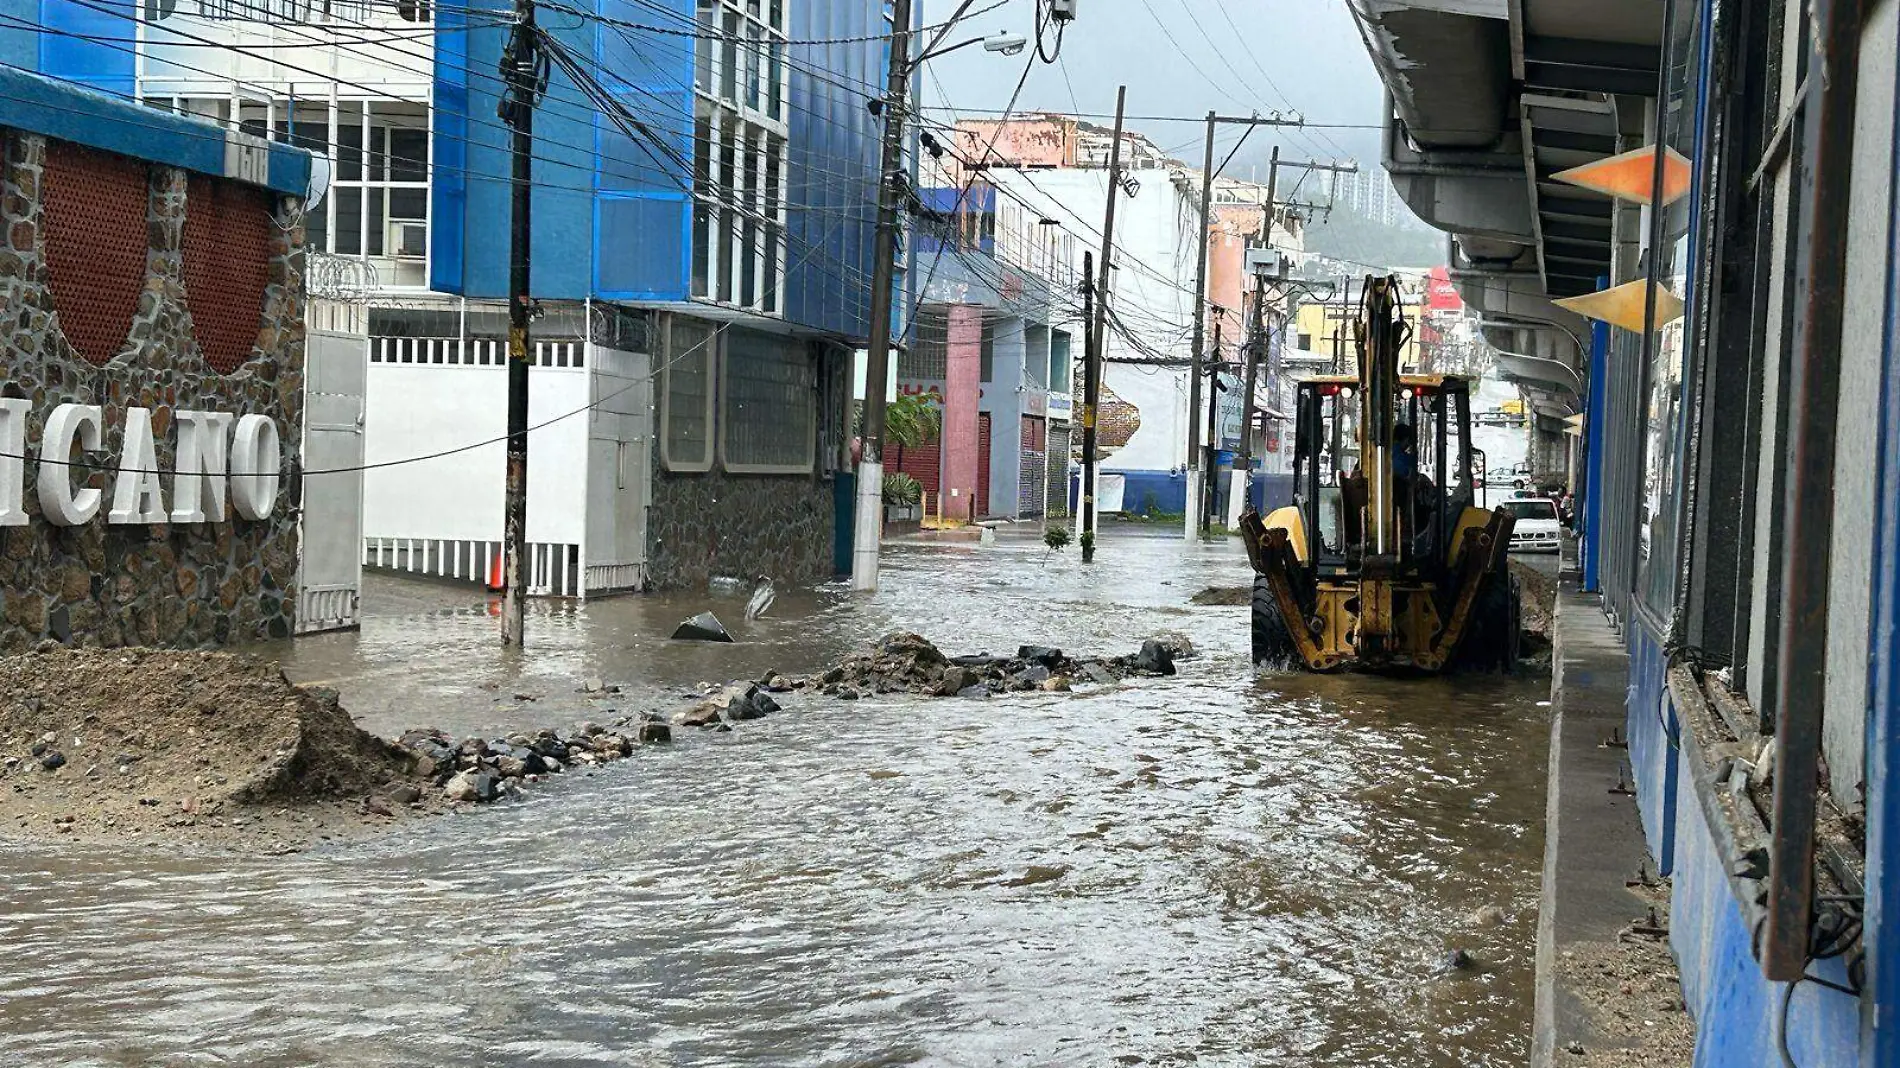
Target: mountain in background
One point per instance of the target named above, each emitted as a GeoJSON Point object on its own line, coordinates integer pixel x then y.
{"type": "Point", "coordinates": [1353, 237]}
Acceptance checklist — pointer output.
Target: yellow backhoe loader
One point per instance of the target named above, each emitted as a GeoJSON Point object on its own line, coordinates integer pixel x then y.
{"type": "Point", "coordinates": [1382, 562]}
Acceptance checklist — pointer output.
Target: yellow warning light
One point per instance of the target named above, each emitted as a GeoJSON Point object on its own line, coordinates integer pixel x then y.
{"type": "Point", "coordinates": [1624, 305]}
{"type": "Point", "coordinates": [1632, 175]}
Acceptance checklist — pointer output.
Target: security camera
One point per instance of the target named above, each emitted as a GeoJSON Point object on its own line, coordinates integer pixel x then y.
{"type": "Point", "coordinates": [1062, 10]}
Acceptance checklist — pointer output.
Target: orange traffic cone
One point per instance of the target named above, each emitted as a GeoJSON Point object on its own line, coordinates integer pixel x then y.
{"type": "Point", "coordinates": [495, 581]}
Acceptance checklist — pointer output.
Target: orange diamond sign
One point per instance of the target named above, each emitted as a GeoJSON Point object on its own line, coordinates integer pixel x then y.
{"type": "Point", "coordinates": [1625, 305]}
{"type": "Point", "coordinates": [1632, 175]}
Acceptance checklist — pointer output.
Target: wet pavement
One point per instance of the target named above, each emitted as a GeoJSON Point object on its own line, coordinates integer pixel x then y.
{"type": "Point", "coordinates": [1216, 868]}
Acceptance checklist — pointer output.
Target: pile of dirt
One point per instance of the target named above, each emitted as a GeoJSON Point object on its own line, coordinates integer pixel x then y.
{"type": "Point", "coordinates": [1538, 593]}
{"type": "Point", "coordinates": [209, 747]}
{"type": "Point", "coordinates": [1632, 992]}
{"type": "Point", "coordinates": [1224, 595]}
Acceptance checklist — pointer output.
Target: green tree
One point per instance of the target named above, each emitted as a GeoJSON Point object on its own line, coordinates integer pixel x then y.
{"type": "Point", "coordinates": [911, 420]}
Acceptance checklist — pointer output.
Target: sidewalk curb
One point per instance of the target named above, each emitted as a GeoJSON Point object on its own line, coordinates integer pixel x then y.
{"type": "Point", "coordinates": [1593, 840]}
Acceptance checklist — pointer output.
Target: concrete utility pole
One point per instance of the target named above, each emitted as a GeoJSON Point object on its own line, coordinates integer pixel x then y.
{"type": "Point", "coordinates": [1094, 382]}
{"type": "Point", "coordinates": [868, 525]}
{"type": "Point", "coordinates": [1242, 479]}
{"type": "Point", "coordinates": [524, 74]}
{"type": "Point", "coordinates": [1195, 492]}
{"type": "Point", "coordinates": [1091, 392]}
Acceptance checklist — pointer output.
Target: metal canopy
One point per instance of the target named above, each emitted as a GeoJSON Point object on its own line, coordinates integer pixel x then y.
{"type": "Point", "coordinates": [1568, 61]}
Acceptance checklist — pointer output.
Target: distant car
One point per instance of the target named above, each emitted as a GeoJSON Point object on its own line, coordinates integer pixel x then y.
{"type": "Point", "coordinates": [1537, 528]}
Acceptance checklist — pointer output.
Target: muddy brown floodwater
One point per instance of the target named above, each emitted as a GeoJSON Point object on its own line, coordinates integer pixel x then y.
{"type": "Point", "coordinates": [1217, 868]}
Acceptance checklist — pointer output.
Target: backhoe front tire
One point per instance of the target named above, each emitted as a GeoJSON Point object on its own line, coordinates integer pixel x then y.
{"type": "Point", "coordinates": [1491, 636]}
{"type": "Point", "coordinates": [1273, 646]}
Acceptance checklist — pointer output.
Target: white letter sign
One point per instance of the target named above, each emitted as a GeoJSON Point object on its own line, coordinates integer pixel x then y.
{"type": "Point", "coordinates": [254, 458]}
{"type": "Point", "coordinates": [13, 460]}
{"type": "Point", "coordinates": [203, 444]}
{"type": "Point", "coordinates": [138, 496]}
{"type": "Point", "coordinates": [60, 504]}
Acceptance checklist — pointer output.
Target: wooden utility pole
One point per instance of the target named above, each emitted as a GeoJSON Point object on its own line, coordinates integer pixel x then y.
{"type": "Point", "coordinates": [1211, 496]}
{"type": "Point", "coordinates": [1195, 470]}
{"type": "Point", "coordinates": [868, 525]}
{"type": "Point", "coordinates": [1096, 343]}
{"type": "Point", "coordinates": [1243, 467]}
{"type": "Point", "coordinates": [521, 70]}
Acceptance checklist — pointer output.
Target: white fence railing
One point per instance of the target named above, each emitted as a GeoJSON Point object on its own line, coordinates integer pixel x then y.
{"type": "Point", "coordinates": [466, 352]}
{"type": "Point", "coordinates": [554, 569]}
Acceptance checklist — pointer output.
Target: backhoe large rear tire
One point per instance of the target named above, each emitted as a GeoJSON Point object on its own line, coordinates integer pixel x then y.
{"type": "Point", "coordinates": [1273, 646]}
{"type": "Point", "coordinates": [1491, 636]}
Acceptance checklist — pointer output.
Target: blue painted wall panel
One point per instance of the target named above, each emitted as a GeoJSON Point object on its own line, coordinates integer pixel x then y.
{"type": "Point", "coordinates": [1881, 1037]}
{"type": "Point", "coordinates": [104, 65]}
{"type": "Point", "coordinates": [19, 43]}
{"type": "Point", "coordinates": [643, 220]}
{"type": "Point", "coordinates": [626, 198]}
{"type": "Point", "coordinates": [1596, 441]}
{"type": "Point", "coordinates": [448, 193]}
{"type": "Point", "coordinates": [834, 160]}
{"type": "Point", "coordinates": [477, 203]}
{"type": "Point", "coordinates": [1737, 1012]}
{"type": "Point", "coordinates": [1652, 731]}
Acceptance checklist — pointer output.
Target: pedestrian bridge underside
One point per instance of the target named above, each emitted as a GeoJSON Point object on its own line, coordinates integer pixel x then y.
{"type": "Point", "coordinates": [1488, 99]}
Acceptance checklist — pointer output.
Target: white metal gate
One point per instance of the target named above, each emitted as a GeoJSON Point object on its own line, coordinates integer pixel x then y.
{"type": "Point", "coordinates": [330, 538]}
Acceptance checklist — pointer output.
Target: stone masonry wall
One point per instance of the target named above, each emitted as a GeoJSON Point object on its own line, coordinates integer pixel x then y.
{"type": "Point", "coordinates": [746, 525]}
{"type": "Point", "coordinates": [168, 584]}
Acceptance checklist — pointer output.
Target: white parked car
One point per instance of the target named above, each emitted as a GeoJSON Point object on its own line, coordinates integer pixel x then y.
{"type": "Point", "coordinates": [1537, 528]}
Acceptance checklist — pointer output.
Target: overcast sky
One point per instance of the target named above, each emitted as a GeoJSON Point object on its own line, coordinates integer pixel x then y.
{"type": "Point", "coordinates": [1180, 58]}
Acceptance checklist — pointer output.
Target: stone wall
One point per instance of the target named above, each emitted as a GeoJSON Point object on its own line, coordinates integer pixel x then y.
{"type": "Point", "coordinates": [725, 524]}
{"type": "Point", "coordinates": [167, 584]}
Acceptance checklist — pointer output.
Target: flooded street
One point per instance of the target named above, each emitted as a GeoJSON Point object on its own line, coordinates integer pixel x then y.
{"type": "Point", "coordinates": [1214, 868]}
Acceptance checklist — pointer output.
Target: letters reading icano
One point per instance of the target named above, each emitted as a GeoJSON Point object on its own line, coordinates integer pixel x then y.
{"type": "Point", "coordinates": [218, 458]}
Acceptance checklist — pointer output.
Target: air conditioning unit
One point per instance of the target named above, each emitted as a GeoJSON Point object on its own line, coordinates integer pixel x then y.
{"type": "Point", "coordinates": [408, 239]}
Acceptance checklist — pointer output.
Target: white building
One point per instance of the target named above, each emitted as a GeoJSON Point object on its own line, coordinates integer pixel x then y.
{"type": "Point", "coordinates": [1151, 307]}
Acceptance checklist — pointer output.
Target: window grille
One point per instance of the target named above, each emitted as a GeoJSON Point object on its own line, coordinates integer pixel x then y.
{"type": "Point", "coordinates": [687, 388]}
{"type": "Point", "coordinates": [768, 419]}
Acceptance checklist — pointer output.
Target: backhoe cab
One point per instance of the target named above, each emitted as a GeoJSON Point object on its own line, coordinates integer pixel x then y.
{"type": "Point", "coordinates": [1381, 561]}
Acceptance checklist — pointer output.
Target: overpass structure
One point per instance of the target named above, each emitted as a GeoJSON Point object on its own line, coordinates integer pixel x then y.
{"type": "Point", "coordinates": [1488, 100]}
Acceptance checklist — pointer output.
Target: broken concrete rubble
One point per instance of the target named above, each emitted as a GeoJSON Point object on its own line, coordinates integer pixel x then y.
{"type": "Point", "coordinates": [904, 662]}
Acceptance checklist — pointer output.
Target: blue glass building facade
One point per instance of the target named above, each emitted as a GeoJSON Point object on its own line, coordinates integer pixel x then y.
{"type": "Point", "coordinates": [628, 197]}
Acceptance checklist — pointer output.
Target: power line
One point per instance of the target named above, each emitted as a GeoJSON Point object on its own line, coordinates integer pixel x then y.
{"type": "Point", "coordinates": [717, 331]}
{"type": "Point", "coordinates": [720, 36]}
{"type": "Point", "coordinates": [588, 168]}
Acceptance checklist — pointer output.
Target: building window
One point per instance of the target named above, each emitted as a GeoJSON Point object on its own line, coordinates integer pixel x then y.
{"type": "Point", "coordinates": [740, 154]}
{"type": "Point", "coordinates": [379, 197]}
{"type": "Point", "coordinates": [1058, 362]}
{"type": "Point", "coordinates": [769, 418]}
{"type": "Point", "coordinates": [687, 396]}
{"type": "Point", "coordinates": [294, 12]}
